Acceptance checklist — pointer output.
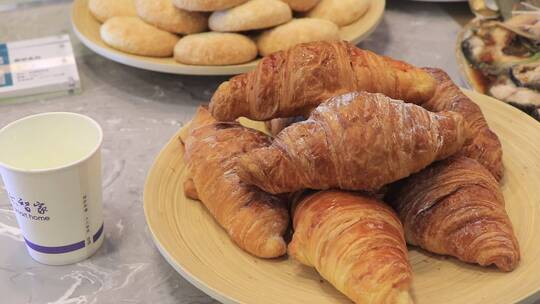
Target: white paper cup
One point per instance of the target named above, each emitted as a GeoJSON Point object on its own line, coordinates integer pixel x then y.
{"type": "Point", "coordinates": [51, 167]}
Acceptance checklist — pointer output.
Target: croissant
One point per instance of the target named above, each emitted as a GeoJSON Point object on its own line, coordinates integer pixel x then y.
{"type": "Point", "coordinates": [295, 81]}
{"type": "Point", "coordinates": [356, 141]}
{"type": "Point", "coordinates": [356, 243]}
{"type": "Point", "coordinates": [455, 207]}
{"type": "Point", "coordinates": [483, 145]}
{"type": "Point", "coordinates": [255, 220]}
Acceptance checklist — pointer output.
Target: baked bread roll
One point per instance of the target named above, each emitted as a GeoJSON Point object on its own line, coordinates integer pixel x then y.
{"type": "Point", "coordinates": [252, 15]}
{"type": "Point", "coordinates": [294, 82]}
{"type": "Point", "coordinates": [255, 221]}
{"type": "Point", "coordinates": [355, 141]}
{"type": "Point", "coordinates": [301, 5]}
{"type": "Point", "coordinates": [206, 5]}
{"type": "Point", "coordinates": [164, 15]}
{"type": "Point", "coordinates": [356, 243]}
{"type": "Point", "coordinates": [103, 10]}
{"type": "Point", "coordinates": [214, 48]}
{"type": "Point", "coordinates": [134, 36]}
{"type": "Point", "coordinates": [455, 207]}
{"type": "Point", "coordinates": [340, 12]}
{"type": "Point", "coordinates": [295, 32]}
{"type": "Point", "coordinates": [484, 144]}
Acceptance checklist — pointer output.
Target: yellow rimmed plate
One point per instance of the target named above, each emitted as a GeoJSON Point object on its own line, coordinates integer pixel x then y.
{"type": "Point", "coordinates": [86, 27]}
{"type": "Point", "coordinates": [191, 241]}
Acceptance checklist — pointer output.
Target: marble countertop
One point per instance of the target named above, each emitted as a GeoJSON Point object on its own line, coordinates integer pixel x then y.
{"type": "Point", "coordinates": [139, 111]}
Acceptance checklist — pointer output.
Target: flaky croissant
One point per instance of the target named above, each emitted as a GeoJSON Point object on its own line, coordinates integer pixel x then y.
{"type": "Point", "coordinates": [455, 207]}
{"type": "Point", "coordinates": [255, 220]}
{"type": "Point", "coordinates": [293, 82]}
{"type": "Point", "coordinates": [483, 145]}
{"type": "Point", "coordinates": [354, 242]}
{"type": "Point", "coordinates": [356, 141]}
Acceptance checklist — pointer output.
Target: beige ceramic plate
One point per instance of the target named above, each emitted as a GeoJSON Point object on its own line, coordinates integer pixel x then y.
{"type": "Point", "coordinates": [86, 27]}
{"type": "Point", "coordinates": [200, 250]}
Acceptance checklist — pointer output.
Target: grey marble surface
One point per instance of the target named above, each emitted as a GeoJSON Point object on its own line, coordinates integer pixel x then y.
{"type": "Point", "coordinates": [139, 111]}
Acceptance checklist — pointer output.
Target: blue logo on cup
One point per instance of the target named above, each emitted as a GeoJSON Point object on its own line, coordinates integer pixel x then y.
{"type": "Point", "coordinates": [36, 211]}
{"type": "Point", "coordinates": [63, 249]}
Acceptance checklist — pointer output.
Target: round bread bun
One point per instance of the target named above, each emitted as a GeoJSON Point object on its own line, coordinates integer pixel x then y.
{"type": "Point", "coordinates": [295, 32]}
{"type": "Point", "coordinates": [214, 48]}
{"type": "Point", "coordinates": [302, 5]}
{"type": "Point", "coordinates": [102, 10]}
{"type": "Point", "coordinates": [206, 5]}
{"type": "Point", "coordinates": [252, 15]}
{"type": "Point", "coordinates": [342, 12]}
{"type": "Point", "coordinates": [134, 36]}
{"type": "Point", "coordinates": [164, 15]}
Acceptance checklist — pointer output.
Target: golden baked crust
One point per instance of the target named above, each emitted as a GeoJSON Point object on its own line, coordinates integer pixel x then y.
{"type": "Point", "coordinates": [164, 15]}
{"type": "Point", "coordinates": [301, 5]}
{"type": "Point", "coordinates": [455, 207]}
{"type": "Point", "coordinates": [342, 12]}
{"type": "Point", "coordinates": [483, 145]}
{"type": "Point", "coordinates": [214, 48]}
{"type": "Point", "coordinates": [295, 32]}
{"type": "Point", "coordinates": [293, 82]}
{"type": "Point", "coordinates": [356, 141]}
{"type": "Point", "coordinates": [189, 189]}
{"type": "Point", "coordinates": [206, 5]}
{"type": "Point", "coordinates": [102, 10]}
{"type": "Point", "coordinates": [255, 221]}
{"type": "Point", "coordinates": [252, 15]}
{"type": "Point", "coordinates": [134, 36]}
{"type": "Point", "coordinates": [356, 243]}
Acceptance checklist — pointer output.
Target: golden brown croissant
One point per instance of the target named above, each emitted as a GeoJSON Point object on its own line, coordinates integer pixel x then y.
{"type": "Point", "coordinates": [293, 82]}
{"type": "Point", "coordinates": [202, 118]}
{"type": "Point", "coordinates": [483, 145]}
{"type": "Point", "coordinates": [455, 207]}
{"type": "Point", "coordinates": [356, 141]}
{"type": "Point", "coordinates": [255, 220]}
{"type": "Point", "coordinates": [354, 242]}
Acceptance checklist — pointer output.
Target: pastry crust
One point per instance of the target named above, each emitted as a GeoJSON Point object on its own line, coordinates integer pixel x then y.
{"type": "Point", "coordinates": [206, 5]}
{"type": "Point", "coordinates": [342, 12]}
{"type": "Point", "coordinates": [103, 10]}
{"type": "Point", "coordinates": [356, 243]}
{"type": "Point", "coordinates": [214, 48]}
{"type": "Point", "coordinates": [356, 141]}
{"type": "Point", "coordinates": [293, 82]}
{"type": "Point", "coordinates": [255, 221]}
{"type": "Point", "coordinates": [189, 189]}
{"type": "Point", "coordinates": [295, 32]}
{"type": "Point", "coordinates": [252, 15]}
{"type": "Point", "coordinates": [301, 5]}
{"type": "Point", "coordinates": [455, 207]}
{"type": "Point", "coordinates": [164, 15]}
{"type": "Point", "coordinates": [134, 36]}
{"type": "Point", "coordinates": [484, 144]}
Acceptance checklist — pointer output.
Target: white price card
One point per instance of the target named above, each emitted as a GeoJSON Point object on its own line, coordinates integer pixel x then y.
{"type": "Point", "coordinates": [38, 66]}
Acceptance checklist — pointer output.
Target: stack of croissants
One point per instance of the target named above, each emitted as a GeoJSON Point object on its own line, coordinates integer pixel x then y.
{"type": "Point", "coordinates": [367, 153]}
